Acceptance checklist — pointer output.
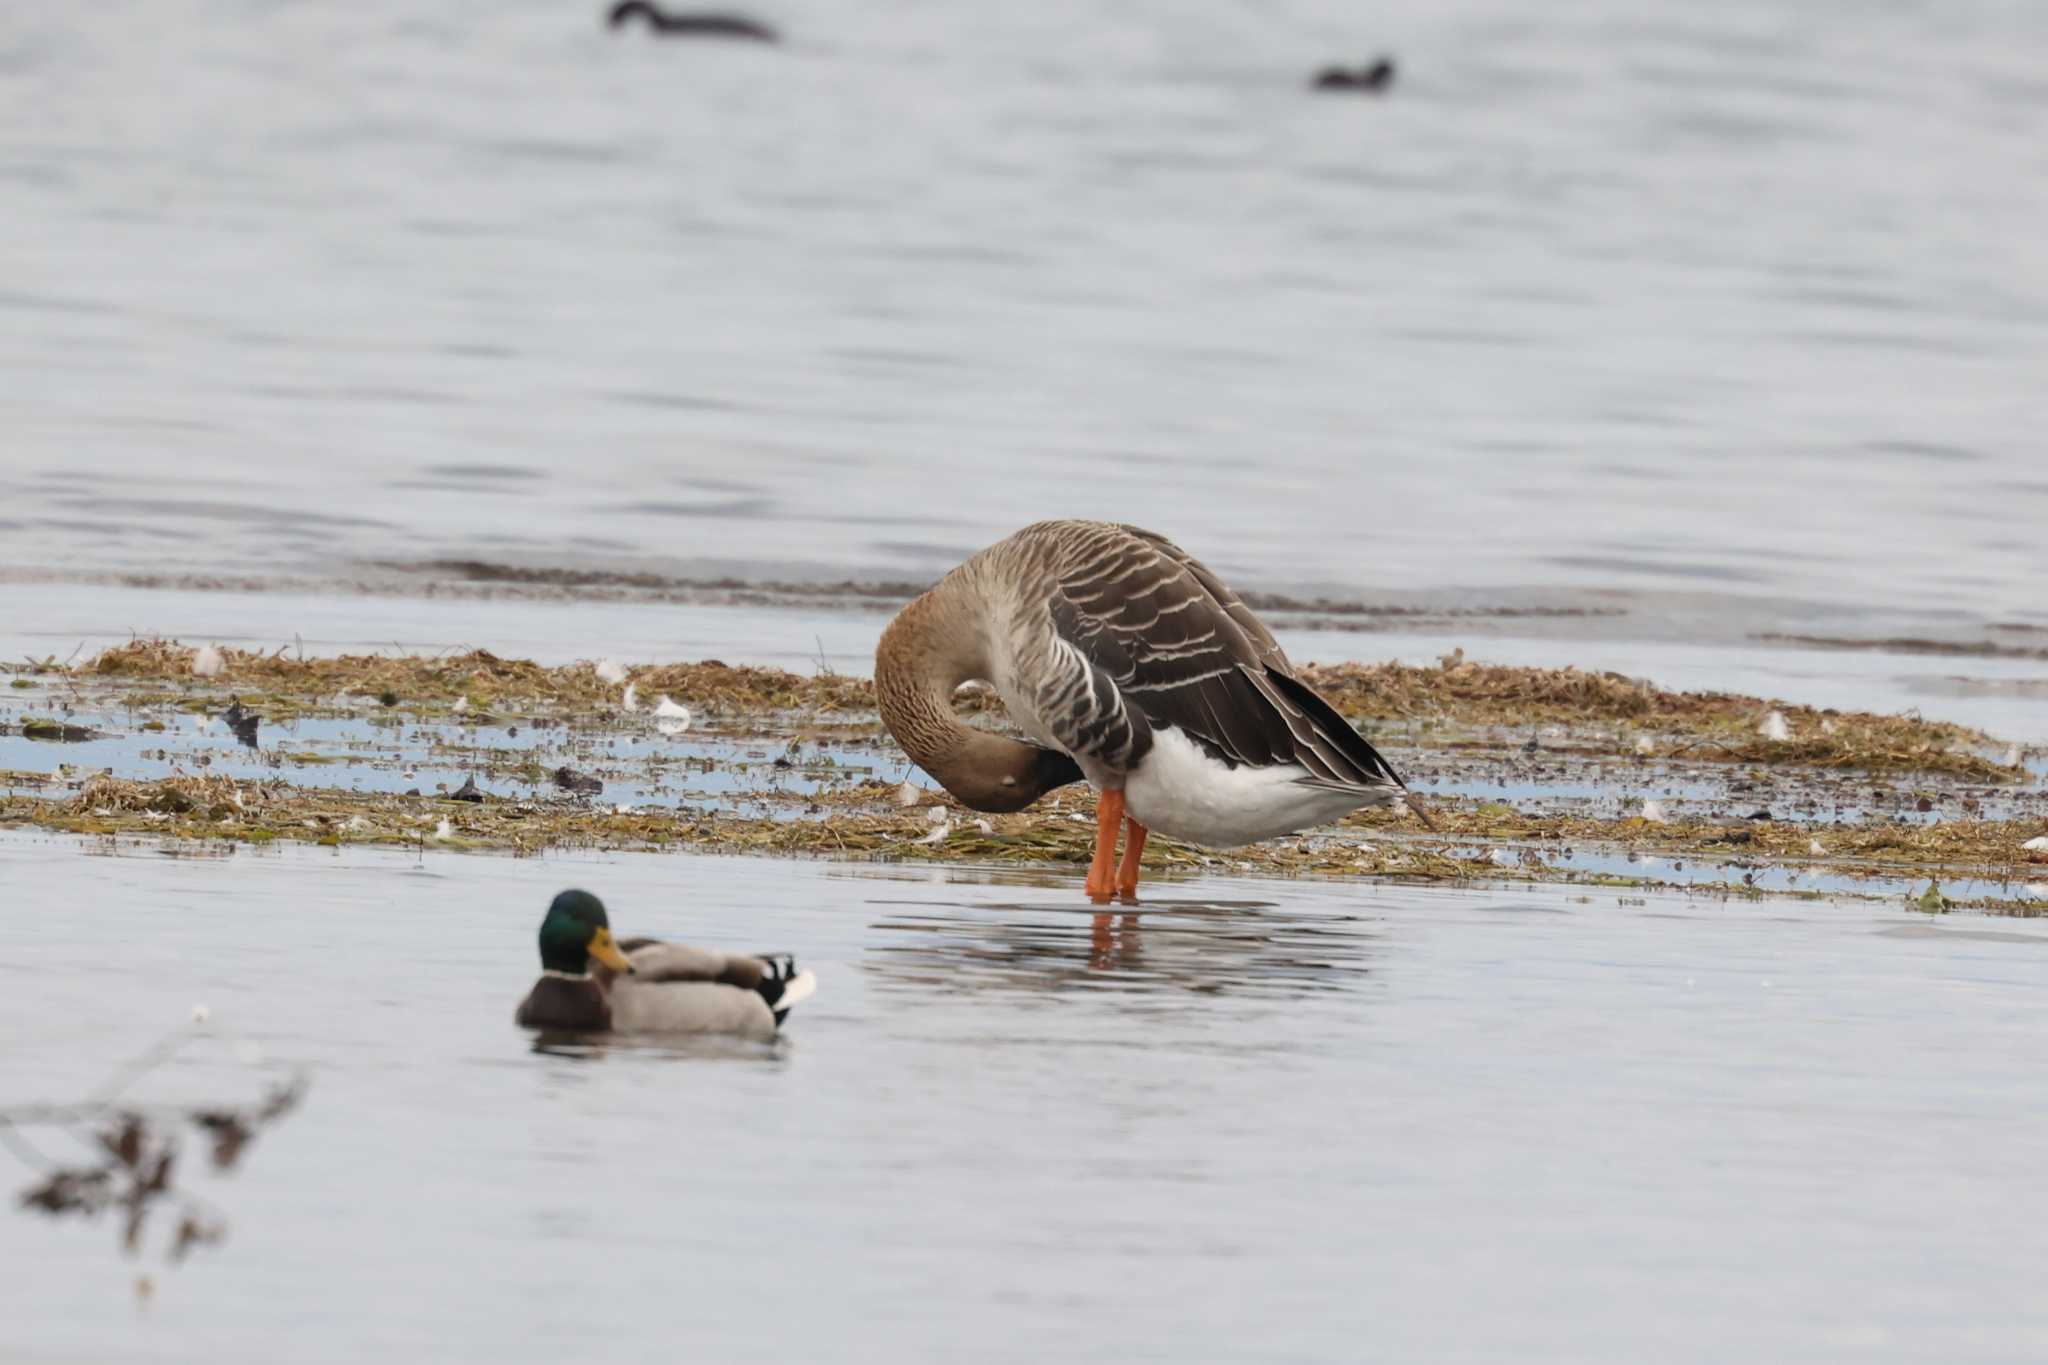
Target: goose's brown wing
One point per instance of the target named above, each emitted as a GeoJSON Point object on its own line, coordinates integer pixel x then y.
{"type": "Point", "coordinates": [1155, 627]}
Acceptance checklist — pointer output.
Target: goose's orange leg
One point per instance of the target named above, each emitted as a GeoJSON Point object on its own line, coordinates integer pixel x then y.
{"type": "Point", "coordinates": [1109, 815]}
{"type": "Point", "coordinates": [1134, 848]}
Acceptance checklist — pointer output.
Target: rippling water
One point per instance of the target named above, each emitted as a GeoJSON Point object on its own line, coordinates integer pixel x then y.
{"type": "Point", "coordinates": [1742, 299]}
{"type": "Point", "coordinates": [1258, 1120]}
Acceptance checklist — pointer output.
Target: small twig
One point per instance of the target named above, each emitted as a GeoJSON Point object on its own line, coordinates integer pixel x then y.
{"type": "Point", "coordinates": [165, 1049]}
{"type": "Point", "coordinates": [134, 1151]}
{"type": "Point", "coordinates": [1687, 748]}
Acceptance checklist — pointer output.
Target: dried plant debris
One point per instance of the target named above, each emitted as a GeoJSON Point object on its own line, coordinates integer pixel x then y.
{"type": "Point", "coordinates": [863, 821]}
{"type": "Point", "coordinates": [134, 1167]}
{"type": "Point", "coordinates": [1555, 774]}
{"type": "Point", "coordinates": [1712, 726]}
{"type": "Point", "coordinates": [485, 679]}
{"type": "Point", "coordinates": [1457, 693]}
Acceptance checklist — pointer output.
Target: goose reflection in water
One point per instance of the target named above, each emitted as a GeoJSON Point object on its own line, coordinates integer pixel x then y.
{"type": "Point", "coordinates": [1248, 948]}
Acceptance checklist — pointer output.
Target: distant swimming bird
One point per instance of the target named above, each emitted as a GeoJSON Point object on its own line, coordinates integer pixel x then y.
{"type": "Point", "coordinates": [703, 24]}
{"type": "Point", "coordinates": [1129, 663]}
{"type": "Point", "coordinates": [1373, 79]}
{"type": "Point", "coordinates": [592, 984]}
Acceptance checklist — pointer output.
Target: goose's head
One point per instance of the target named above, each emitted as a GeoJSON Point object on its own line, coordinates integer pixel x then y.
{"type": "Point", "coordinates": [626, 9]}
{"type": "Point", "coordinates": [575, 931]}
{"type": "Point", "coordinates": [1002, 775]}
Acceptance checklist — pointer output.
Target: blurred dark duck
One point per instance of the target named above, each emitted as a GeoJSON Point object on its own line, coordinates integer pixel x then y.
{"type": "Point", "coordinates": [702, 24]}
{"type": "Point", "coordinates": [1373, 79]}
{"type": "Point", "coordinates": [590, 983]}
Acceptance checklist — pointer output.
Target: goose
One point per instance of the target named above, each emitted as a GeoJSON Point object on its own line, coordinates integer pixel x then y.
{"type": "Point", "coordinates": [1129, 664]}
{"type": "Point", "coordinates": [1374, 78]}
{"type": "Point", "coordinates": [699, 23]}
{"type": "Point", "coordinates": [591, 983]}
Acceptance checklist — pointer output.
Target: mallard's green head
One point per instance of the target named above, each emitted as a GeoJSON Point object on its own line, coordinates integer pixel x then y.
{"type": "Point", "coordinates": [576, 930]}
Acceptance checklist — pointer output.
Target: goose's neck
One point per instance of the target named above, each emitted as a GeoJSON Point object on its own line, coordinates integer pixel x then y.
{"type": "Point", "coordinates": [936, 643]}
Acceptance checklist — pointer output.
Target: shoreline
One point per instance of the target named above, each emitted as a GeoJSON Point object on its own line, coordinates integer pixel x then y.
{"type": "Point", "coordinates": [1547, 775]}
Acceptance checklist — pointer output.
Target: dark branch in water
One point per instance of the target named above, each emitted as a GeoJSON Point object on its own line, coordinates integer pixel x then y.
{"type": "Point", "coordinates": [136, 1150]}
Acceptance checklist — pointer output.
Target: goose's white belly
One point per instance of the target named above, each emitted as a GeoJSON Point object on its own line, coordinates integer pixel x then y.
{"type": "Point", "coordinates": [1178, 789]}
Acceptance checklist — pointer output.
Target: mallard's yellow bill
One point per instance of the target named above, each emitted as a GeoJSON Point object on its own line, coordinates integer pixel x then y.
{"type": "Point", "coordinates": [604, 950]}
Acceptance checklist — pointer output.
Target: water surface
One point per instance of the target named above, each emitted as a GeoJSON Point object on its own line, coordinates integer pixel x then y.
{"type": "Point", "coordinates": [1738, 303]}
{"type": "Point", "coordinates": [1273, 1120]}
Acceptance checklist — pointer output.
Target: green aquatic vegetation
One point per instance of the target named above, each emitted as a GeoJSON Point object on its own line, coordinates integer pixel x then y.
{"type": "Point", "coordinates": [54, 731]}
{"type": "Point", "coordinates": [1930, 901]}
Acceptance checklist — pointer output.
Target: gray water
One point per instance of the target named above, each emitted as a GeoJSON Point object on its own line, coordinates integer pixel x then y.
{"type": "Point", "coordinates": [1696, 304]}
{"type": "Point", "coordinates": [1273, 1121]}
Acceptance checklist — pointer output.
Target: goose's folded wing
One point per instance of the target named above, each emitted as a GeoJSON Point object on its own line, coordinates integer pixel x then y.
{"type": "Point", "coordinates": [1185, 652]}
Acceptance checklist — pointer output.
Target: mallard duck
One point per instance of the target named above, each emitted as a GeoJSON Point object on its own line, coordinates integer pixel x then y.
{"type": "Point", "coordinates": [695, 24]}
{"type": "Point", "coordinates": [591, 983]}
{"type": "Point", "coordinates": [1127, 663]}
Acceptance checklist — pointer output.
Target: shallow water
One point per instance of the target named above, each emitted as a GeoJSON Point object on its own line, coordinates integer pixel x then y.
{"type": "Point", "coordinates": [1736, 308]}
{"type": "Point", "coordinates": [1286, 1121]}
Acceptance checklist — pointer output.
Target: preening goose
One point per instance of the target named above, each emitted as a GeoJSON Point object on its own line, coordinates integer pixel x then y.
{"type": "Point", "coordinates": [590, 983]}
{"type": "Point", "coordinates": [1129, 663]}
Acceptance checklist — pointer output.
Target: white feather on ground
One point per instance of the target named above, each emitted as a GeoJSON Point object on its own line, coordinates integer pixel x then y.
{"type": "Point", "coordinates": [611, 671]}
{"type": "Point", "coordinates": [631, 701]}
{"type": "Point", "coordinates": [1774, 727]}
{"type": "Point", "coordinates": [1653, 811]}
{"type": "Point", "coordinates": [669, 718]}
{"type": "Point", "coordinates": [208, 662]}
